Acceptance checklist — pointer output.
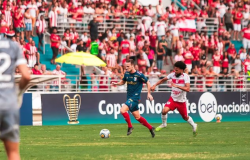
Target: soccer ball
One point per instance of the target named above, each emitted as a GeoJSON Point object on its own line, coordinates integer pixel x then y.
{"type": "Point", "coordinates": [105, 133]}
{"type": "Point", "coordinates": [218, 117]}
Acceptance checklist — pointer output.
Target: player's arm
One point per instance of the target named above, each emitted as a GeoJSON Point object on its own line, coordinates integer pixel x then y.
{"type": "Point", "coordinates": [185, 88]}
{"type": "Point", "coordinates": [145, 80]}
{"type": "Point", "coordinates": [122, 82]}
{"type": "Point", "coordinates": [25, 76]}
{"type": "Point", "coordinates": [158, 83]}
{"type": "Point", "coordinates": [21, 64]}
{"type": "Point", "coordinates": [150, 97]}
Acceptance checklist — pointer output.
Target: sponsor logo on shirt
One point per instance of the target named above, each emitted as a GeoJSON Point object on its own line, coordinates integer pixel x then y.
{"type": "Point", "coordinates": [132, 83]}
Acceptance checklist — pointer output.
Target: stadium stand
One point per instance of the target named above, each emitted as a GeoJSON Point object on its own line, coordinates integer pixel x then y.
{"type": "Point", "coordinates": [196, 32]}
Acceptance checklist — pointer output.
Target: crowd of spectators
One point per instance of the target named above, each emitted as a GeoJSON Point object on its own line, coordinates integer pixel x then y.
{"type": "Point", "coordinates": [161, 37]}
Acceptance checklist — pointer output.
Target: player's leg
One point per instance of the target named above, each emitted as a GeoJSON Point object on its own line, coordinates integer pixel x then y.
{"type": "Point", "coordinates": [142, 120]}
{"type": "Point", "coordinates": [124, 111]}
{"type": "Point", "coordinates": [170, 105]}
{"type": "Point", "coordinates": [10, 133]}
{"type": "Point", "coordinates": [12, 150]}
{"type": "Point", "coordinates": [183, 112]}
{"type": "Point", "coordinates": [164, 116]}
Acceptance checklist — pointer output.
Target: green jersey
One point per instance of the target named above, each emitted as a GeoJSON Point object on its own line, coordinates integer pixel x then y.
{"type": "Point", "coordinates": [94, 48]}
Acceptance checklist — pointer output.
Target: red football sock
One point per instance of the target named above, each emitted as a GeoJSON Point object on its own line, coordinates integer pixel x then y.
{"type": "Point", "coordinates": [127, 119]}
{"type": "Point", "coordinates": [144, 122]}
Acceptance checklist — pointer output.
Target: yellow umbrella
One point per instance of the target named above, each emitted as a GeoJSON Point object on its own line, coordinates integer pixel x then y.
{"type": "Point", "coordinates": [81, 58]}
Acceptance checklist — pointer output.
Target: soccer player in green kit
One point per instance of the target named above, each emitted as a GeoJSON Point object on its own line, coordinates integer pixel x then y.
{"type": "Point", "coordinates": [135, 81]}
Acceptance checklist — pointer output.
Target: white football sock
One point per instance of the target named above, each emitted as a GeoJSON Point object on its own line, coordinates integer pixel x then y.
{"type": "Point", "coordinates": [164, 119]}
{"type": "Point", "coordinates": [190, 121]}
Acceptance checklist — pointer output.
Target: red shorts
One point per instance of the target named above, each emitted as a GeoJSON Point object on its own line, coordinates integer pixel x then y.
{"type": "Point", "coordinates": [180, 106]}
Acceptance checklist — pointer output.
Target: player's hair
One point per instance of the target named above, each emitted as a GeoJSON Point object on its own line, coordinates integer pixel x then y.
{"type": "Point", "coordinates": [131, 61]}
{"type": "Point", "coordinates": [180, 65]}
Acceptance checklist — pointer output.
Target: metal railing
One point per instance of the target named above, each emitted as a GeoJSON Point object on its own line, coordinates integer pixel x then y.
{"type": "Point", "coordinates": [209, 25]}
{"type": "Point", "coordinates": [102, 83]}
{"type": "Point", "coordinates": [124, 23]}
{"type": "Point", "coordinates": [81, 24]}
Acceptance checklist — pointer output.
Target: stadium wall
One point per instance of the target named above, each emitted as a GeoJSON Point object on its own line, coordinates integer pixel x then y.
{"type": "Point", "coordinates": [26, 116]}
{"type": "Point", "coordinates": [103, 108]}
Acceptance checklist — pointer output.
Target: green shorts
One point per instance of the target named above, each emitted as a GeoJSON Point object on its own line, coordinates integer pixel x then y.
{"type": "Point", "coordinates": [21, 29]}
{"type": "Point", "coordinates": [132, 105]}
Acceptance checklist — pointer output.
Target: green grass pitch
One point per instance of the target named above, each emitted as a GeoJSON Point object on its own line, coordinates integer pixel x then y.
{"type": "Point", "coordinates": [223, 141]}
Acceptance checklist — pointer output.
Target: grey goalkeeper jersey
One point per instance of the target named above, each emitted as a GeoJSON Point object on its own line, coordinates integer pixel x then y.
{"type": "Point", "coordinates": [10, 57]}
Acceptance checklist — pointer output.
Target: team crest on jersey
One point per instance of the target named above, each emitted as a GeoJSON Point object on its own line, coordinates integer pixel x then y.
{"type": "Point", "coordinates": [135, 78]}
{"type": "Point", "coordinates": [177, 81]}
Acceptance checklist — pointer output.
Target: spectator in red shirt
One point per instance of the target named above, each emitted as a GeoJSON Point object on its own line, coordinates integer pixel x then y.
{"type": "Point", "coordinates": [225, 61]}
{"type": "Point", "coordinates": [231, 52]}
{"type": "Point", "coordinates": [195, 50]}
{"type": "Point", "coordinates": [237, 23]}
{"type": "Point", "coordinates": [35, 70]}
{"type": "Point", "coordinates": [188, 57]}
{"type": "Point", "coordinates": [55, 43]}
{"type": "Point", "coordinates": [19, 22]}
{"type": "Point", "coordinates": [142, 63]}
{"type": "Point", "coordinates": [3, 24]}
{"type": "Point", "coordinates": [125, 48]}
{"type": "Point", "coordinates": [246, 63]}
{"type": "Point", "coordinates": [209, 46]}
{"type": "Point", "coordinates": [153, 40]}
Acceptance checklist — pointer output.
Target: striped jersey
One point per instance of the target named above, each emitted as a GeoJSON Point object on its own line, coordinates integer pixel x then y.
{"type": "Point", "coordinates": [177, 94]}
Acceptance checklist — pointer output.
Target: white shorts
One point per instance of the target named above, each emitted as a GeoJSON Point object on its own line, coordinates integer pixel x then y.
{"type": "Point", "coordinates": [246, 43]}
{"type": "Point", "coordinates": [31, 63]}
{"type": "Point", "coordinates": [189, 67]}
{"type": "Point", "coordinates": [217, 69]}
{"type": "Point", "coordinates": [123, 56]}
{"type": "Point", "coordinates": [237, 27]}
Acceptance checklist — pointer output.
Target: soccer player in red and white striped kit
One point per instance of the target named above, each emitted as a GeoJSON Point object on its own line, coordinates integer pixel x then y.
{"type": "Point", "coordinates": [180, 87]}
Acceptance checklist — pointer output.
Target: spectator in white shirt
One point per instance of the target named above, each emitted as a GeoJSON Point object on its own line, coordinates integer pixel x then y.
{"type": "Point", "coordinates": [53, 17]}
{"type": "Point", "coordinates": [246, 16]}
{"type": "Point", "coordinates": [151, 11]}
{"type": "Point", "coordinates": [142, 27]}
{"type": "Point", "coordinates": [243, 55]}
{"type": "Point", "coordinates": [148, 21]}
{"type": "Point", "coordinates": [57, 71]}
{"type": "Point", "coordinates": [130, 34]}
{"type": "Point", "coordinates": [174, 30]}
{"type": "Point", "coordinates": [154, 77]}
{"type": "Point", "coordinates": [145, 57]}
{"type": "Point", "coordinates": [63, 13]}
{"type": "Point", "coordinates": [73, 47]}
{"type": "Point", "coordinates": [39, 3]}
{"type": "Point", "coordinates": [152, 28]}
{"type": "Point", "coordinates": [237, 63]}
{"type": "Point", "coordinates": [33, 12]}
{"type": "Point", "coordinates": [41, 25]}
{"type": "Point", "coordinates": [179, 56]}
{"type": "Point", "coordinates": [161, 27]}
{"type": "Point", "coordinates": [222, 9]}
{"type": "Point", "coordinates": [84, 37]}
{"type": "Point", "coordinates": [88, 10]}
{"type": "Point", "coordinates": [159, 9]}
{"type": "Point", "coordinates": [62, 48]}
{"type": "Point", "coordinates": [23, 6]}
